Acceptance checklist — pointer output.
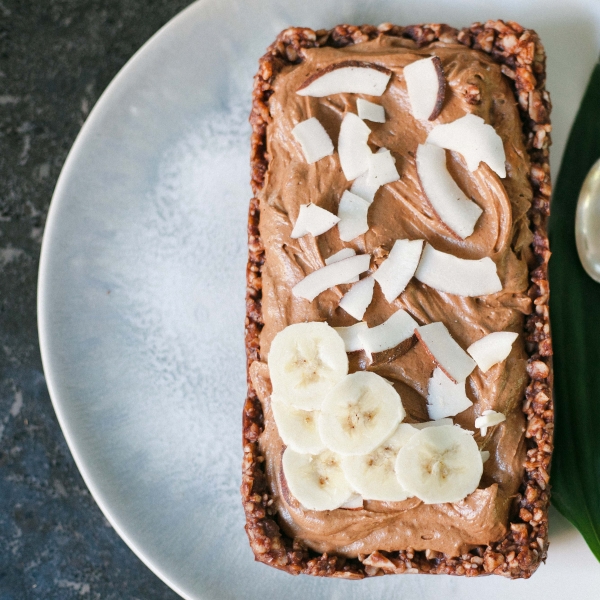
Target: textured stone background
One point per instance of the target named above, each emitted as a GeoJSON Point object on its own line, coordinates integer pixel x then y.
{"type": "Point", "coordinates": [56, 58]}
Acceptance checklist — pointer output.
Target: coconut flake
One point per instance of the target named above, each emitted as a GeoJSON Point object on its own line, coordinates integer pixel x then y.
{"type": "Point", "coordinates": [329, 276]}
{"type": "Point", "coordinates": [350, 336]}
{"type": "Point", "coordinates": [347, 77]}
{"type": "Point", "coordinates": [426, 87]}
{"type": "Point", "coordinates": [474, 139]}
{"type": "Point", "coordinates": [488, 418]}
{"type": "Point", "coordinates": [369, 111]}
{"type": "Point", "coordinates": [353, 149]}
{"type": "Point", "coordinates": [382, 168]}
{"type": "Point", "coordinates": [448, 200]}
{"type": "Point", "coordinates": [360, 187]}
{"type": "Point", "coordinates": [492, 348]}
{"type": "Point", "coordinates": [363, 188]}
{"type": "Point", "coordinates": [398, 328]}
{"type": "Point", "coordinates": [313, 139]}
{"type": "Point", "coordinates": [352, 212]}
{"type": "Point", "coordinates": [444, 397]}
{"type": "Point", "coordinates": [485, 455]}
{"type": "Point", "coordinates": [314, 220]}
{"type": "Point", "coordinates": [452, 359]}
{"type": "Point", "coordinates": [453, 275]}
{"type": "Point", "coordinates": [398, 268]}
{"type": "Point", "coordinates": [341, 255]}
{"type": "Point", "coordinates": [358, 298]}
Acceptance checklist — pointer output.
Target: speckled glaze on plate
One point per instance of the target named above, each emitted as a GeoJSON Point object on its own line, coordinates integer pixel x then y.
{"type": "Point", "coordinates": [141, 293]}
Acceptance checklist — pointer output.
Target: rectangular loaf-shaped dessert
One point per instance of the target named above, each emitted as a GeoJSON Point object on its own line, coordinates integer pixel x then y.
{"type": "Point", "coordinates": [398, 235]}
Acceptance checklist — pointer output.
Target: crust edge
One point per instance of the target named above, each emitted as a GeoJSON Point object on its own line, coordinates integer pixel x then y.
{"type": "Point", "coordinates": [519, 553]}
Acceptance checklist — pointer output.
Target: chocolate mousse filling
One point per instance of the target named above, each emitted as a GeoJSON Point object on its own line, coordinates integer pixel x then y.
{"type": "Point", "coordinates": [496, 72]}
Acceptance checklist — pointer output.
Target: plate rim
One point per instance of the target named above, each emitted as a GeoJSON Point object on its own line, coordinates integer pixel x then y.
{"type": "Point", "coordinates": [42, 285]}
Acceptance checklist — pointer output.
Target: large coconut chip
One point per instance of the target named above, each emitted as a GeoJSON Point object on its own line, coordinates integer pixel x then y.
{"type": "Point", "coordinates": [350, 336]}
{"type": "Point", "coordinates": [313, 139]}
{"type": "Point", "coordinates": [329, 276]}
{"type": "Point", "coordinates": [398, 268]}
{"type": "Point", "coordinates": [362, 188]}
{"type": "Point", "coordinates": [448, 355]}
{"type": "Point", "coordinates": [444, 397]}
{"type": "Point", "coordinates": [352, 213]}
{"type": "Point", "coordinates": [426, 87]}
{"type": "Point", "coordinates": [457, 211]}
{"type": "Point", "coordinates": [460, 276]}
{"type": "Point", "coordinates": [347, 77]}
{"type": "Point", "coordinates": [353, 149]}
{"type": "Point", "coordinates": [382, 168]}
{"type": "Point", "coordinates": [397, 329]}
{"type": "Point", "coordinates": [369, 111]}
{"type": "Point", "coordinates": [475, 140]}
{"type": "Point", "coordinates": [356, 301]}
{"type": "Point", "coordinates": [314, 220]}
{"type": "Point", "coordinates": [492, 349]}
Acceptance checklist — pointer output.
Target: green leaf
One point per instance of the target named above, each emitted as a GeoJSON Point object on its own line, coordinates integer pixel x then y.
{"type": "Point", "coordinates": [575, 319]}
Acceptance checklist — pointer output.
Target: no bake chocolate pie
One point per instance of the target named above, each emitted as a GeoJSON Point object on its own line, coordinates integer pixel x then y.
{"type": "Point", "coordinates": [399, 412]}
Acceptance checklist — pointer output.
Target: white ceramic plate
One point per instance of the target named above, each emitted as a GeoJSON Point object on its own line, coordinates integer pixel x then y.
{"type": "Point", "coordinates": [141, 293]}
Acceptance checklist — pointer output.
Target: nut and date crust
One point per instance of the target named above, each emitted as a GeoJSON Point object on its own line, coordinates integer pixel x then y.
{"type": "Point", "coordinates": [522, 59]}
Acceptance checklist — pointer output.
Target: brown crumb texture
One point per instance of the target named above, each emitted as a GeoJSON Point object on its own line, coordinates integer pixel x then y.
{"type": "Point", "coordinates": [519, 553]}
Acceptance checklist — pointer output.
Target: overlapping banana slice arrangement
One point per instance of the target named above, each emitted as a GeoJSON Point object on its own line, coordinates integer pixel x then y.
{"type": "Point", "coordinates": [344, 432]}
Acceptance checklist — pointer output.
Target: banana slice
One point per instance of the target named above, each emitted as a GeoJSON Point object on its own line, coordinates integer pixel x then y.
{"type": "Point", "coordinates": [440, 464]}
{"type": "Point", "coordinates": [317, 482]}
{"type": "Point", "coordinates": [297, 428]}
{"type": "Point", "coordinates": [359, 413]}
{"type": "Point", "coordinates": [305, 361]}
{"type": "Point", "coordinates": [373, 475]}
